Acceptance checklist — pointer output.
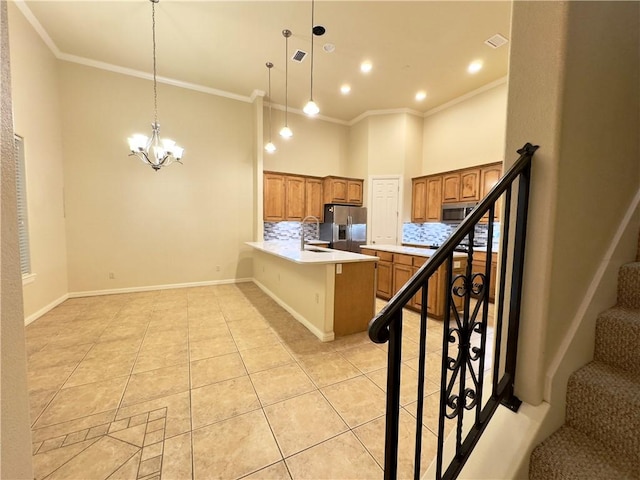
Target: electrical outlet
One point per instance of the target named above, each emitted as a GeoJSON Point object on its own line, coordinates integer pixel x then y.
{"type": "Point", "coordinates": [112, 275]}
{"type": "Point", "coordinates": [338, 268]}
{"type": "Point", "coordinates": [317, 298]}
{"type": "Point", "coordinates": [217, 268]}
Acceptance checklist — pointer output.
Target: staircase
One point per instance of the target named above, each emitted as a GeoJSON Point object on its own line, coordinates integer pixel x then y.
{"type": "Point", "coordinates": [601, 435]}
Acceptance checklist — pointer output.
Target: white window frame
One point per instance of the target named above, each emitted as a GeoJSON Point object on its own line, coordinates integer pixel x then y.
{"type": "Point", "coordinates": [23, 215]}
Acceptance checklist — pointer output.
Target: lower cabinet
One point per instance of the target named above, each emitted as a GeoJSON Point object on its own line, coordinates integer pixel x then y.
{"type": "Point", "coordinates": [479, 266]}
{"type": "Point", "coordinates": [395, 270]}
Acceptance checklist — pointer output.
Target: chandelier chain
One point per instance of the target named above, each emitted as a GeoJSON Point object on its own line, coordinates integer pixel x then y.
{"type": "Point", "coordinates": [155, 87]}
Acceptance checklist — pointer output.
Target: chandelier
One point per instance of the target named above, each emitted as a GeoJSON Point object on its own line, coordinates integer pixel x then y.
{"type": "Point", "coordinates": [270, 147]}
{"type": "Point", "coordinates": [311, 108]}
{"type": "Point", "coordinates": [155, 151]}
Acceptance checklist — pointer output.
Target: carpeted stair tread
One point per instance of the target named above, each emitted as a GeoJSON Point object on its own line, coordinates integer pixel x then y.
{"type": "Point", "coordinates": [569, 454]}
{"type": "Point", "coordinates": [629, 285]}
{"type": "Point", "coordinates": [618, 338]}
{"type": "Point", "coordinates": [604, 403]}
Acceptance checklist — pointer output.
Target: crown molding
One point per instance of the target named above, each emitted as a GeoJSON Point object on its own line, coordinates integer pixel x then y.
{"type": "Point", "coordinates": [390, 111]}
{"type": "Point", "coordinates": [466, 96]}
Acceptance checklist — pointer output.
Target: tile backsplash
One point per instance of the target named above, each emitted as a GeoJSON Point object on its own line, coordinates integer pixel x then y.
{"type": "Point", "coordinates": [436, 233]}
{"type": "Point", "coordinates": [289, 231]}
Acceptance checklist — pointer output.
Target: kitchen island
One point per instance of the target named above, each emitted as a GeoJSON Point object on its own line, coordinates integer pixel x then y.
{"type": "Point", "coordinates": [331, 292]}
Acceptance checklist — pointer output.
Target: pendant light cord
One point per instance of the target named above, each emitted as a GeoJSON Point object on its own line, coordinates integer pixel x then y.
{"type": "Point", "coordinates": [312, 23]}
{"type": "Point", "coordinates": [286, 80]}
{"type": "Point", "coordinates": [155, 87]}
{"type": "Point", "coordinates": [270, 66]}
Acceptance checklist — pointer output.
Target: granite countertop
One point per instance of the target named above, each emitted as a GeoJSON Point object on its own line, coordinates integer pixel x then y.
{"type": "Point", "coordinates": [312, 255]}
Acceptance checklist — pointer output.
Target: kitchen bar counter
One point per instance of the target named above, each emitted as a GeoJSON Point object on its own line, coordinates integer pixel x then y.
{"type": "Point", "coordinates": [330, 292]}
{"type": "Point", "coordinates": [290, 250]}
{"type": "Point", "coordinates": [406, 250]}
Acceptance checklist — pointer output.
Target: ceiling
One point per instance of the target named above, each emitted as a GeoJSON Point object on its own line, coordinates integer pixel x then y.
{"type": "Point", "coordinates": [224, 45]}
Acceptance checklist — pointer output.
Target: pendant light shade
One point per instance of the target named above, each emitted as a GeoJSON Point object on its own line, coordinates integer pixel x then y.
{"type": "Point", "coordinates": [270, 147]}
{"type": "Point", "coordinates": [285, 132]}
{"type": "Point", "coordinates": [311, 108]}
{"type": "Point", "coordinates": [155, 151]}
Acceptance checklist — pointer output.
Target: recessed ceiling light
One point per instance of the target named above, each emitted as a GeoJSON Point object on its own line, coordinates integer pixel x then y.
{"type": "Point", "coordinates": [365, 67]}
{"type": "Point", "coordinates": [345, 89]}
{"type": "Point", "coordinates": [474, 67]}
{"type": "Point", "coordinates": [421, 95]}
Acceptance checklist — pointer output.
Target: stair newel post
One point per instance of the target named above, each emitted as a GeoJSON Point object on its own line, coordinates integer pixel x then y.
{"type": "Point", "coordinates": [394, 361]}
{"type": "Point", "coordinates": [515, 298]}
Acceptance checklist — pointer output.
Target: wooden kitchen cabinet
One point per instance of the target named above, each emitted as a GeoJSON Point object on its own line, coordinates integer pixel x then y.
{"type": "Point", "coordinates": [479, 265]}
{"type": "Point", "coordinates": [434, 199]}
{"type": "Point", "coordinates": [426, 199]}
{"type": "Point", "coordinates": [401, 275]}
{"type": "Point", "coordinates": [470, 185]}
{"type": "Point", "coordinates": [313, 198]}
{"type": "Point", "coordinates": [342, 190]}
{"type": "Point", "coordinates": [489, 176]}
{"type": "Point", "coordinates": [384, 275]}
{"type": "Point", "coordinates": [451, 187]}
{"type": "Point", "coordinates": [294, 198]}
{"type": "Point", "coordinates": [419, 200]}
{"type": "Point", "coordinates": [274, 197]}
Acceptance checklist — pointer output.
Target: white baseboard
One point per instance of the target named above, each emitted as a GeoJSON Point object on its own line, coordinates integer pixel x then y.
{"type": "Point", "coordinates": [55, 303]}
{"type": "Point", "coordinates": [324, 337]}
{"type": "Point", "coordinates": [115, 291]}
{"type": "Point", "coordinates": [45, 309]}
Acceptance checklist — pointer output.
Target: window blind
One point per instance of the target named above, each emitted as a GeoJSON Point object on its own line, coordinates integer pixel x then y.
{"type": "Point", "coordinates": [23, 223]}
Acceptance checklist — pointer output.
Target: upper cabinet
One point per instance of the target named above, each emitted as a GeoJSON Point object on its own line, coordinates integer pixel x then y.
{"type": "Point", "coordinates": [293, 197]}
{"type": "Point", "coordinates": [470, 185]}
{"type": "Point", "coordinates": [461, 186]}
{"type": "Point", "coordinates": [419, 199]}
{"type": "Point", "coordinates": [451, 187]}
{"type": "Point", "coordinates": [274, 197]}
{"type": "Point", "coordinates": [342, 190]}
{"type": "Point", "coordinates": [426, 201]}
{"type": "Point", "coordinates": [313, 198]}
{"type": "Point", "coordinates": [489, 176]}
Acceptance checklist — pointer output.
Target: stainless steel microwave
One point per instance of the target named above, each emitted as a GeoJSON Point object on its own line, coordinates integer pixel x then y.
{"type": "Point", "coordinates": [456, 212]}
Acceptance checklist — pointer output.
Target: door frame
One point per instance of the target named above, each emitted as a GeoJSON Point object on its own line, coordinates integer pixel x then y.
{"type": "Point", "coordinates": [400, 179]}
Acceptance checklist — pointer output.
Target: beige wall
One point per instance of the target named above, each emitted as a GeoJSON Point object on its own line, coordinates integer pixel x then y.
{"type": "Point", "coordinates": [37, 118]}
{"type": "Point", "coordinates": [150, 228]}
{"type": "Point", "coordinates": [468, 133]}
{"type": "Point", "coordinates": [317, 147]}
{"type": "Point", "coordinates": [587, 169]}
{"type": "Point", "coordinates": [15, 434]}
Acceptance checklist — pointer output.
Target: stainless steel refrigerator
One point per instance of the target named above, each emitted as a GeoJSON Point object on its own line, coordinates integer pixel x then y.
{"type": "Point", "coordinates": [344, 227]}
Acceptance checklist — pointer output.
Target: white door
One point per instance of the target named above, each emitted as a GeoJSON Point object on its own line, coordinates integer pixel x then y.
{"type": "Point", "coordinates": [385, 215]}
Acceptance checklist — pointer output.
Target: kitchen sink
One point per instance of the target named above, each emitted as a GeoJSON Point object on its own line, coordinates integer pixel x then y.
{"type": "Point", "coordinates": [316, 250]}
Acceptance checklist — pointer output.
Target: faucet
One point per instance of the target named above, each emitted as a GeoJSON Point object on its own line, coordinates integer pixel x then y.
{"type": "Point", "coordinates": [302, 229]}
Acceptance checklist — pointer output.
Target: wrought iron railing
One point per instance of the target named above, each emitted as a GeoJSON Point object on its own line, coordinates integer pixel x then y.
{"type": "Point", "coordinates": [463, 400]}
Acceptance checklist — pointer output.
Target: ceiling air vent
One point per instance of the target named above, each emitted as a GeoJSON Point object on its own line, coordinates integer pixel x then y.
{"type": "Point", "coordinates": [298, 56]}
{"type": "Point", "coordinates": [496, 41]}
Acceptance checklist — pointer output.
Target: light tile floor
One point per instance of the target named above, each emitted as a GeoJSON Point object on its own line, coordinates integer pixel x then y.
{"type": "Point", "coordinates": [214, 382]}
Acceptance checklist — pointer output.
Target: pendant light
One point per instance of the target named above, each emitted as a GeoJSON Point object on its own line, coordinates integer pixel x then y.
{"type": "Point", "coordinates": [163, 152]}
{"type": "Point", "coordinates": [311, 108]}
{"type": "Point", "coordinates": [270, 147]}
{"type": "Point", "coordinates": [285, 131]}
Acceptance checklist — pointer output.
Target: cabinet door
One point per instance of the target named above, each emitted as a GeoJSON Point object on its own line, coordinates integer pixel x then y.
{"type": "Point", "coordinates": [401, 275]}
{"type": "Point", "coordinates": [489, 176]}
{"type": "Point", "coordinates": [434, 294]}
{"type": "Point", "coordinates": [274, 198]}
{"type": "Point", "coordinates": [337, 190]}
{"type": "Point", "coordinates": [470, 185]}
{"type": "Point", "coordinates": [451, 187]}
{"type": "Point", "coordinates": [434, 199]}
{"type": "Point", "coordinates": [294, 198]}
{"type": "Point", "coordinates": [313, 198]}
{"type": "Point", "coordinates": [385, 280]}
{"type": "Point", "coordinates": [419, 200]}
{"type": "Point", "coordinates": [354, 192]}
